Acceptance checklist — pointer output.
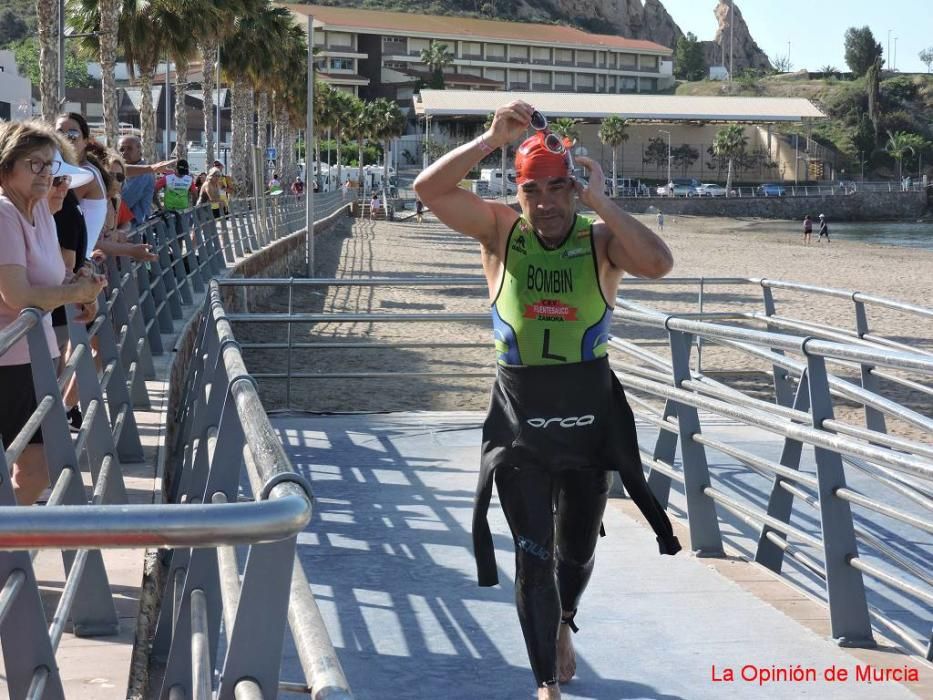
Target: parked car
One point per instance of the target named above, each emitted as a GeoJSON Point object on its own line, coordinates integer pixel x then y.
{"type": "Point", "coordinates": [680, 187]}
{"type": "Point", "coordinates": [711, 189]}
{"type": "Point", "coordinates": [770, 190]}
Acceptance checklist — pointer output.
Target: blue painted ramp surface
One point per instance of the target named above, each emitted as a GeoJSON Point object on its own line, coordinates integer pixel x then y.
{"type": "Point", "coordinates": [388, 554]}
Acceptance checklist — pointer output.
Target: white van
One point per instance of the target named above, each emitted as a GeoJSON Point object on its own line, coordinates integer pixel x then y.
{"type": "Point", "coordinates": [494, 177]}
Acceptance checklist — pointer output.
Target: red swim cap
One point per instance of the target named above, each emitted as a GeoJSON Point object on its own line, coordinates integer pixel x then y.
{"type": "Point", "coordinates": [533, 160]}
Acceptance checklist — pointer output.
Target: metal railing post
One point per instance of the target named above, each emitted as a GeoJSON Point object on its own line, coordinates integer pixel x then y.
{"type": "Point", "coordinates": [845, 589]}
{"type": "Point", "coordinates": [705, 538]}
{"type": "Point", "coordinates": [874, 419]}
{"type": "Point", "coordinates": [93, 612]}
{"type": "Point", "coordinates": [24, 614]}
{"type": "Point", "coordinates": [254, 646]}
{"type": "Point", "coordinates": [168, 275]}
{"type": "Point", "coordinates": [665, 450]}
{"type": "Point", "coordinates": [136, 319]}
{"type": "Point", "coordinates": [783, 391]}
{"type": "Point", "coordinates": [781, 501]}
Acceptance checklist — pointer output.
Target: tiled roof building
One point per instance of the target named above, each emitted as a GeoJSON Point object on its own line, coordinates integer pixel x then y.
{"type": "Point", "coordinates": [375, 53]}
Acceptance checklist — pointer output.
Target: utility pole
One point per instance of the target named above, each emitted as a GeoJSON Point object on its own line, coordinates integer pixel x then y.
{"type": "Point", "coordinates": [168, 95]}
{"type": "Point", "coordinates": [309, 161]}
{"type": "Point", "coordinates": [788, 56]}
{"type": "Point", "coordinates": [670, 190]}
{"type": "Point", "coordinates": [888, 54]}
{"type": "Point", "coordinates": [894, 67]}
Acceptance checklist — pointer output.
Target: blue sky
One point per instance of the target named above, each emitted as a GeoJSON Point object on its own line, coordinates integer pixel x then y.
{"type": "Point", "coordinates": [815, 28]}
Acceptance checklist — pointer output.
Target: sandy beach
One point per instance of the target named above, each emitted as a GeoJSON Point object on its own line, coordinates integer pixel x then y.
{"type": "Point", "coordinates": [707, 247]}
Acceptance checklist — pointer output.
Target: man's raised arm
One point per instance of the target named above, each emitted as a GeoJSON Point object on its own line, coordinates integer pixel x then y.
{"type": "Point", "coordinates": [438, 186]}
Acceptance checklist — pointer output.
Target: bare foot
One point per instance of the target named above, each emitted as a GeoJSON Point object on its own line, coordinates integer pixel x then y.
{"type": "Point", "coordinates": [551, 692]}
{"type": "Point", "coordinates": [566, 658]}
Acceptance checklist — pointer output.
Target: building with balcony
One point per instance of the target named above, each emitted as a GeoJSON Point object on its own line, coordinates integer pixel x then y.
{"type": "Point", "coordinates": [375, 53]}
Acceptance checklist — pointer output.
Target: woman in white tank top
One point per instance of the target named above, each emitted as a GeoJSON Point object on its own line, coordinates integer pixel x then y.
{"type": "Point", "coordinates": [93, 196]}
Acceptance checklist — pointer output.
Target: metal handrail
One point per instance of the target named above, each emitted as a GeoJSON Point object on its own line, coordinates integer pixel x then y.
{"type": "Point", "coordinates": [112, 527]}
{"type": "Point", "coordinates": [902, 464]}
{"type": "Point", "coordinates": [143, 300]}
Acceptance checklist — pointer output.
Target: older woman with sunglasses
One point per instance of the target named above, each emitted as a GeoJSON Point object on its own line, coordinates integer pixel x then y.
{"type": "Point", "coordinates": [113, 239]}
{"type": "Point", "coordinates": [32, 274]}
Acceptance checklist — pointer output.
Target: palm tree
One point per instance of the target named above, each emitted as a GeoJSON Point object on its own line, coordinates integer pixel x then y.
{"type": "Point", "coordinates": [99, 22]}
{"type": "Point", "coordinates": [141, 44]}
{"type": "Point", "coordinates": [899, 144]}
{"type": "Point", "coordinates": [290, 95]}
{"type": "Point", "coordinates": [613, 132]}
{"type": "Point", "coordinates": [436, 57]}
{"type": "Point", "coordinates": [730, 142]}
{"type": "Point", "coordinates": [390, 124]}
{"type": "Point", "coordinates": [359, 126]}
{"type": "Point", "coordinates": [219, 22]}
{"type": "Point", "coordinates": [46, 29]}
{"type": "Point", "coordinates": [339, 108]}
{"type": "Point", "coordinates": [247, 60]}
{"type": "Point", "coordinates": [179, 22]}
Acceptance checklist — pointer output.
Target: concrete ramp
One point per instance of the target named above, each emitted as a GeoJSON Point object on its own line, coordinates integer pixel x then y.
{"type": "Point", "coordinates": [388, 554]}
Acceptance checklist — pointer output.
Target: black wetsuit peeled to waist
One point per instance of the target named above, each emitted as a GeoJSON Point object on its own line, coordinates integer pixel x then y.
{"type": "Point", "coordinates": [558, 425]}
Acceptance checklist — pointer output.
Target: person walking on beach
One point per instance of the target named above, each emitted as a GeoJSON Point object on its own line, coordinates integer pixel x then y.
{"type": "Point", "coordinates": [373, 207]}
{"type": "Point", "coordinates": [558, 421]}
{"type": "Point", "coordinates": [419, 210]}
{"type": "Point", "coordinates": [660, 221]}
{"type": "Point", "coordinates": [807, 229]}
{"type": "Point", "coordinates": [824, 230]}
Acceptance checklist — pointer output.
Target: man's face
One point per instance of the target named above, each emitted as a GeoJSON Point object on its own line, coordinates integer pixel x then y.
{"type": "Point", "coordinates": [131, 149]}
{"type": "Point", "coordinates": [549, 204]}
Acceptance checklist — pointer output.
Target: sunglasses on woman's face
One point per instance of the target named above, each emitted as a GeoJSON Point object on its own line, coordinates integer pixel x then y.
{"type": "Point", "coordinates": [43, 167]}
{"type": "Point", "coordinates": [70, 134]}
{"type": "Point", "coordinates": [118, 176]}
{"type": "Point", "coordinates": [60, 180]}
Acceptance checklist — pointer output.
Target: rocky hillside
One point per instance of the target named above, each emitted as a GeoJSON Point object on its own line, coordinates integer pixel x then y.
{"type": "Point", "coordinates": [635, 19]}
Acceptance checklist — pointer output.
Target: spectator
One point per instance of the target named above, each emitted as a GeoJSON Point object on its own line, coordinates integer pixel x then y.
{"type": "Point", "coordinates": [32, 274]}
{"type": "Point", "coordinates": [298, 187]}
{"type": "Point", "coordinates": [373, 206]}
{"type": "Point", "coordinates": [660, 220]}
{"type": "Point", "coordinates": [226, 184]}
{"type": "Point", "coordinates": [807, 229]}
{"type": "Point", "coordinates": [72, 241]}
{"type": "Point", "coordinates": [114, 240]}
{"type": "Point", "coordinates": [93, 195]}
{"type": "Point", "coordinates": [275, 185]}
{"type": "Point", "coordinates": [138, 189]}
{"type": "Point", "coordinates": [317, 186]}
{"type": "Point", "coordinates": [210, 192]}
{"type": "Point", "coordinates": [345, 189]}
{"type": "Point", "coordinates": [419, 210]}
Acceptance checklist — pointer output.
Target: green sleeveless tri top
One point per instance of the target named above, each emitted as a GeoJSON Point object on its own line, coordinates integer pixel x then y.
{"type": "Point", "coordinates": [549, 308]}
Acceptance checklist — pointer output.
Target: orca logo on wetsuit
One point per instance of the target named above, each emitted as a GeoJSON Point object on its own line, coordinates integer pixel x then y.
{"type": "Point", "coordinates": [571, 422]}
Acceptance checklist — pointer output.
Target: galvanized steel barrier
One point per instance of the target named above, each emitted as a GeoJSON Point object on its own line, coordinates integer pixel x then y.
{"type": "Point", "coordinates": [87, 512]}
{"type": "Point", "coordinates": [800, 414]}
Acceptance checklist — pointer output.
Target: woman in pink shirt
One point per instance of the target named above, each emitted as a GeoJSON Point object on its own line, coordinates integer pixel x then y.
{"type": "Point", "coordinates": [32, 274]}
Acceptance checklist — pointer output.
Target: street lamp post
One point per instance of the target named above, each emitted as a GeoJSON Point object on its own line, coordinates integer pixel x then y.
{"type": "Point", "coordinates": [889, 45]}
{"type": "Point", "coordinates": [670, 190]}
{"type": "Point", "coordinates": [894, 67]}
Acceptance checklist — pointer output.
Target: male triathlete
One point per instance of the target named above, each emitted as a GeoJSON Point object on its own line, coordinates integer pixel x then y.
{"type": "Point", "coordinates": [558, 422]}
